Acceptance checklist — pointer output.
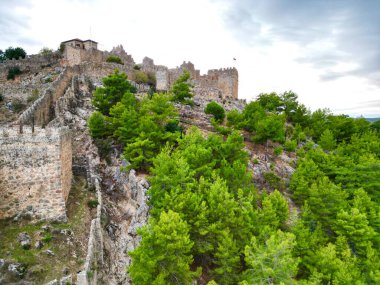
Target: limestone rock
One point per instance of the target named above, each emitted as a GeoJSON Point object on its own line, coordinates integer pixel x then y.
{"type": "Point", "coordinates": [39, 244]}
{"type": "Point", "coordinates": [65, 271]}
{"type": "Point", "coordinates": [53, 282]}
{"type": "Point", "coordinates": [66, 280]}
{"type": "Point", "coordinates": [24, 240]}
{"type": "Point", "coordinates": [17, 269]}
{"type": "Point", "coordinates": [49, 252]}
{"type": "Point", "coordinates": [45, 228]}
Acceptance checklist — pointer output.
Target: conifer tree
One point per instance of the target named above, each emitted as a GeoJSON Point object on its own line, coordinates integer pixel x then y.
{"type": "Point", "coordinates": [164, 254]}
{"type": "Point", "coordinates": [273, 262]}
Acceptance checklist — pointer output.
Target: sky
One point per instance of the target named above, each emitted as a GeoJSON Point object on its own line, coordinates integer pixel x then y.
{"type": "Point", "coordinates": [326, 51]}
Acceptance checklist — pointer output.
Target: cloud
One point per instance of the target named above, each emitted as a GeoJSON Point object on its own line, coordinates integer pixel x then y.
{"type": "Point", "coordinates": [328, 32]}
{"type": "Point", "coordinates": [14, 20]}
{"type": "Point", "coordinates": [370, 108]}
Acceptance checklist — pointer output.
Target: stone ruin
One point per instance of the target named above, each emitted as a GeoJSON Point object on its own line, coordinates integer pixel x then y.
{"type": "Point", "coordinates": [35, 153]}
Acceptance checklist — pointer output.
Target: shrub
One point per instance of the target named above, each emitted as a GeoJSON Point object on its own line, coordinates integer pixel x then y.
{"type": "Point", "coordinates": [181, 88]}
{"type": "Point", "coordinates": [12, 72]}
{"type": "Point", "coordinates": [114, 59]}
{"type": "Point", "coordinates": [15, 53]}
{"type": "Point", "coordinates": [136, 67]}
{"type": "Point", "coordinates": [301, 137]}
{"type": "Point", "coordinates": [290, 145]}
{"type": "Point", "coordinates": [140, 77]}
{"type": "Point", "coordinates": [278, 150]}
{"type": "Point", "coordinates": [104, 149]}
{"type": "Point", "coordinates": [301, 152]}
{"type": "Point", "coordinates": [17, 105]}
{"type": "Point", "coordinates": [274, 181]}
{"type": "Point", "coordinates": [234, 118]}
{"type": "Point", "coordinates": [92, 203]}
{"type": "Point", "coordinates": [172, 126]}
{"type": "Point", "coordinates": [47, 238]}
{"type": "Point", "coordinates": [1, 97]}
{"type": "Point", "coordinates": [216, 110]}
{"type": "Point", "coordinates": [309, 145]}
{"type": "Point", "coordinates": [48, 79]}
{"type": "Point", "coordinates": [33, 97]}
{"type": "Point", "coordinates": [46, 52]}
{"type": "Point", "coordinates": [220, 129]}
{"type": "Point", "coordinates": [61, 48]}
{"type": "Point", "coordinates": [152, 80]}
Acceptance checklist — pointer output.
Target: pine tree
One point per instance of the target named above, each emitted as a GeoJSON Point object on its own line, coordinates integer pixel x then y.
{"type": "Point", "coordinates": [114, 88]}
{"type": "Point", "coordinates": [226, 260]}
{"type": "Point", "coordinates": [164, 254]}
{"type": "Point", "coordinates": [273, 262]}
{"type": "Point", "coordinates": [181, 88]}
{"type": "Point", "coordinates": [327, 140]}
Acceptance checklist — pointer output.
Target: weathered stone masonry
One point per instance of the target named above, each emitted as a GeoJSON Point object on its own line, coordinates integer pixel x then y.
{"type": "Point", "coordinates": [35, 173]}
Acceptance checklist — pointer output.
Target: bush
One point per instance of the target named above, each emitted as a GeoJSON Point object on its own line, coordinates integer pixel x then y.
{"type": "Point", "coordinates": [278, 150]}
{"type": "Point", "coordinates": [61, 48]}
{"type": "Point", "coordinates": [140, 77]}
{"type": "Point", "coordinates": [34, 96]}
{"type": "Point", "coordinates": [220, 129]}
{"type": "Point", "coordinates": [216, 110]}
{"type": "Point", "coordinates": [48, 79]}
{"type": "Point", "coordinates": [92, 203]}
{"type": "Point", "coordinates": [12, 72]}
{"type": "Point", "coordinates": [234, 118]}
{"type": "Point", "coordinates": [301, 152]}
{"type": "Point", "coordinates": [98, 125]}
{"type": "Point", "coordinates": [14, 53]}
{"type": "Point", "coordinates": [104, 149]}
{"type": "Point", "coordinates": [274, 181]}
{"type": "Point", "coordinates": [46, 52]}
{"type": "Point", "coordinates": [173, 126]}
{"type": "Point", "coordinates": [290, 145]}
{"type": "Point", "coordinates": [17, 105]}
{"type": "Point", "coordinates": [152, 80]}
{"type": "Point", "coordinates": [47, 238]}
{"type": "Point", "coordinates": [114, 59]}
{"type": "Point", "coordinates": [181, 88]}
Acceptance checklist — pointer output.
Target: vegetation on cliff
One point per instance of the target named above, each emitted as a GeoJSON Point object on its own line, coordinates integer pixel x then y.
{"type": "Point", "coordinates": [208, 220]}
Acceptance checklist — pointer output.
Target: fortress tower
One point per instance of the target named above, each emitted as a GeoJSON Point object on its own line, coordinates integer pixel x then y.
{"type": "Point", "coordinates": [227, 80]}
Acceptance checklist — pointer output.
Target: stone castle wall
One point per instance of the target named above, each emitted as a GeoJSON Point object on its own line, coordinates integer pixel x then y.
{"type": "Point", "coordinates": [226, 80]}
{"type": "Point", "coordinates": [35, 173]}
{"type": "Point", "coordinates": [42, 110]}
{"type": "Point", "coordinates": [31, 63]}
{"type": "Point", "coordinates": [74, 55]}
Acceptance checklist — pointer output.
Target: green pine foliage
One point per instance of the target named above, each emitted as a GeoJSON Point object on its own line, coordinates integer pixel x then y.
{"type": "Point", "coordinates": [206, 215]}
{"type": "Point", "coordinates": [216, 110]}
{"type": "Point", "coordinates": [327, 140]}
{"type": "Point", "coordinates": [164, 255]}
{"type": "Point", "coordinates": [271, 262]}
{"type": "Point", "coordinates": [114, 59]}
{"type": "Point", "coordinates": [181, 88]}
{"type": "Point", "coordinates": [113, 89]}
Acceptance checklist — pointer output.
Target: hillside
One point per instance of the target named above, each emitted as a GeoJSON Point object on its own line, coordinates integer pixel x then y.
{"type": "Point", "coordinates": [183, 185]}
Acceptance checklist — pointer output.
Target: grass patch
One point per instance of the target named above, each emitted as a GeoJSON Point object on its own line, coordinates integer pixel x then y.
{"type": "Point", "coordinates": [41, 267]}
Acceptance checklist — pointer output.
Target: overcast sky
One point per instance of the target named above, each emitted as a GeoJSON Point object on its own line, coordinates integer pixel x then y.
{"type": "Point", "coordinates": [326, 51]}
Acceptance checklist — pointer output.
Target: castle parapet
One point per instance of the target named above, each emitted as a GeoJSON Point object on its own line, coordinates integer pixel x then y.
{"type": "Point", "coordinates": [35, 172]}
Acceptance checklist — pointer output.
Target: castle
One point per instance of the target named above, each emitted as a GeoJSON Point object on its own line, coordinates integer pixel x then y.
{"type": "Point", "coordinates": [223, 81]}
{"type": "Point", "coordinates": [36, 150]}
